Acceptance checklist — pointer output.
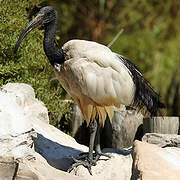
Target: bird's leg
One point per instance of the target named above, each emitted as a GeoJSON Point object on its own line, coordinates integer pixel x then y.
{"type": "Point", "coordinates": [93, 130]}
{"type": "Point", "coordinates": [89, 161]}
{"type": "Point", "coordinates": [98, 152]}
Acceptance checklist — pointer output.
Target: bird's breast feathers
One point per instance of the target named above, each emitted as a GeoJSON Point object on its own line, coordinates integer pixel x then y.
{"type": "Point", "coordinates": [93, 71]}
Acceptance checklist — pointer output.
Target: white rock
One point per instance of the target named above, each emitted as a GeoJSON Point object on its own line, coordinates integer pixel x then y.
{"type": "Point", "coordinates": [32, 107]}
{"type": "Point", "coordinates": [57, 147]}
{"type": "Point", "coordinates": [14, 125]}
{"type": "Point", "coordinates": [18, 107]}
{"type": "Point", "coordinates": [14, 121]}
{"type": "Point", "coordinates": [53, 147]}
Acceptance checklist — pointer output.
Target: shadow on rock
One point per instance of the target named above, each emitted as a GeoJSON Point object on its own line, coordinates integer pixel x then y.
{"type": "Point", "coordinates": [57, 155]}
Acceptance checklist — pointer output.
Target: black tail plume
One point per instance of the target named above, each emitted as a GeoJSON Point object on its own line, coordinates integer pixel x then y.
{"type": "Point", "coordinates": [145, 97]}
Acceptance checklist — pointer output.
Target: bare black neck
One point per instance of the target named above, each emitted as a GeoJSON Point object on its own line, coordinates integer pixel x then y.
{"type": "Point", "coordinates": [54, 54]}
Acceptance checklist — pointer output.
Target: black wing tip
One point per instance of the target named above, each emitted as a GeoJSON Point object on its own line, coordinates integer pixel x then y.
{"type": "Point", "coordinates": [144, 96]}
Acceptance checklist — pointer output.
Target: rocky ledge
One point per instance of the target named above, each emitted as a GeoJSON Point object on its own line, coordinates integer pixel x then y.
{"type": "Point", "coordinates": [32, 149]}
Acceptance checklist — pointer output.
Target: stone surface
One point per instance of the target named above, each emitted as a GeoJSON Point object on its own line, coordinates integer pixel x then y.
{"type": "Point", "coordinates": [152, 162]}
{"type": "Point", "coordinates": [53, 148]}
{"type": "Point", "coordinates": [35, 169]}
{"type": "Point", "coordinates": [39, 169]}
{"type": "Point", "coordinates": [18, 108]}
{"type": "Point", "coordinates": [50, 155]}
{"type": "Point", "coordinates": [162, 140]}
{"type": "Point", "coordinates": [15, 128]}
{"type": "Point", "coordinates": [25, 98]}
{"type": "Point", "coordinates": [57, 147]}
{"type": "Point", "coordinates": [162, 125]}
{"type": "Point", "coordinates": [7, 168]}
{"type": "Point", "coordinates": [118, 167]}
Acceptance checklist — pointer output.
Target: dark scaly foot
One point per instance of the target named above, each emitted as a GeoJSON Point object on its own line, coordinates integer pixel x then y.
{"type": "Point", "coordinates": [99, 153]}
{"type": "Point", "coordinates": [88, 161]}
{"type": "Point", "coordinates": [96, 155]}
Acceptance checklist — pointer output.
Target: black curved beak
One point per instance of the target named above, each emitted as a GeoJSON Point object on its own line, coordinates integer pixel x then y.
{"type": "Point", "coordinates": [38, 20]}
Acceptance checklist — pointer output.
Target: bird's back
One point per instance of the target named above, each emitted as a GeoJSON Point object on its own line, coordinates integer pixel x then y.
{"type": "Point", "coordinates": [95, 78]}
{"type": "Point", "coordinates": [99, 72]}
{"type": "Point", "coordinates": [98, 79]}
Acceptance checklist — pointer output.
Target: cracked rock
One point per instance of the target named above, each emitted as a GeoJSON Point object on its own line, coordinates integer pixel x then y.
{"type": "Point", "coordinates": [162, 140]}
{"type": "Point", "coordinates": [7, 168]}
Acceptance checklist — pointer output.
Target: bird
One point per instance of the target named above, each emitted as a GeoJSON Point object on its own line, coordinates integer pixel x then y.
{"type": "Point", "coordinates": [97, 79]}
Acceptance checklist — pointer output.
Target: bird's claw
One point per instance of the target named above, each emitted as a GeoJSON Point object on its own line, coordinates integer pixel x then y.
{"type": "Point", "coordinates": [86, 163]}
{"type": "Point", "coordinates": [96, 155]}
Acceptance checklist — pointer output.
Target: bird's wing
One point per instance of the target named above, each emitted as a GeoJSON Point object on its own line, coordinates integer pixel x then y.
{"type": "Point", "coordinates": [95, 78]}
{"type": "Point", "coordinates": [105, 83]}
{"type": "Point", "coordinates": [93, 71]}
{"type": "Point", "coordinates": [96, 86]}
{"type": "Point", "coordinates": [100, 74]}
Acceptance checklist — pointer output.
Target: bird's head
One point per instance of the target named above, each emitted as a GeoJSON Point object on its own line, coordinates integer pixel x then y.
{"type": "Point", "coordinates": [45, 16]}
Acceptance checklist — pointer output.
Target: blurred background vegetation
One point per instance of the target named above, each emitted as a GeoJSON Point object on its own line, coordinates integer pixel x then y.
{"type": "Point", "coordinates": [151, 39]}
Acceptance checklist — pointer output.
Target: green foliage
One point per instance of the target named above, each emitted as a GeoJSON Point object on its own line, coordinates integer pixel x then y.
{"type": "Point", "coordinates": [30, 64]}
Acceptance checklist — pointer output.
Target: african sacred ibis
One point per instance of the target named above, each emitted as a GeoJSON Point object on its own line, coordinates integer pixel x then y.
{"type": "Point", "coordinates": [95, 77]}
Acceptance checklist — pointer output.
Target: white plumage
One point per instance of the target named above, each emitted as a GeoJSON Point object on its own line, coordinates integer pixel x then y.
{"type": "Point", "coordinates": [94, 76]}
